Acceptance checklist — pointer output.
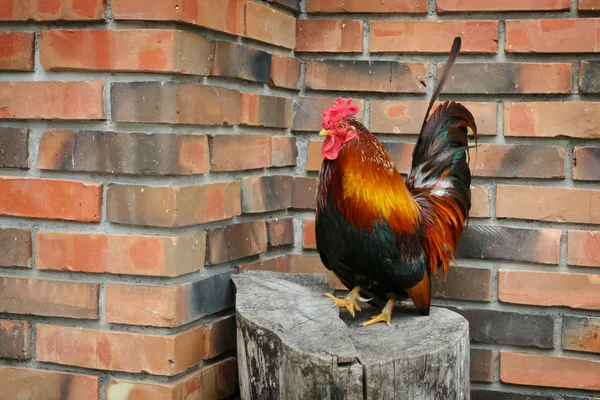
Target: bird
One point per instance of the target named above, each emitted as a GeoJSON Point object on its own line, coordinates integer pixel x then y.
{"type": "Point", "coordinates": [380, 235]}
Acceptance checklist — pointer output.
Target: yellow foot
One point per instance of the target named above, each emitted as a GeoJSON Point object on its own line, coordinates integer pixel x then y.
{"type": "Point", "coordinates": [349, 302]}
{"type": "Point", "coordinates": [386, 314]}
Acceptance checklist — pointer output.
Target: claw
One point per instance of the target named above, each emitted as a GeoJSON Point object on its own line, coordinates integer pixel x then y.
{"type": "Point", "coordinates": [385, 316]}
{"type": "Point", "coordinates": [349, 303]}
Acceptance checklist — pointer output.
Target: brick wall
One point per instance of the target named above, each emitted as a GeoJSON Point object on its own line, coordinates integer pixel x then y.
{"type": "Point", "coordinates": [150, 149]}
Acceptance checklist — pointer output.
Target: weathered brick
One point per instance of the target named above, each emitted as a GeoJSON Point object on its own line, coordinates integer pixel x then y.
{"type": "Point", "coordinates": [548, 204]}
{"type": "Point", "coordinates": [573, 35]}
{"type": "Point", "coordinates": [293, 5]}
{"type": "Point", "coordinates": [509, 78]}
{"type": "Point", "coordinates": [15, 246]}
{"type": "Point", "coordinates": [277, 264]}
{"type": "Point", "coordinates": [498, 327]}
{"type": "Point", "coordinates": [415, 36]}
{"type": "Point", "coordinates": [239, 152]}
{"type": "Point", "coordinates": [311, 264]}
{"type": "Point", "coordinates": [50, 198]}
{"type": "Point", "coordinates": [14, 340]}
{"type": "Point", "coordinates": [175, 103]}
{"type": "Point", "coordinates": [237, 241]}
{"type": "Point", "coordinates": [464, 283]}
{"type": "Point", "coordinates": [406, 117]}
{"type": "Point", "coordinates": [14, 148]}
{"type": "Point", "coordinates": [589, 78]}
{"type": "Point", "coordinates": [518, 161]}
{"type": "Point", "coordinates": [173, 206]}
{"type": "Point", "coordinates": [49, 297]}
{"type": "Point", "coordinates": [51, 100]}
{"type": "Point", "coordinates": [266, 193]}
{"type": "Point", "coordinates": [584, 248]}
{"type": "Point", "coordinates": [284, 151]}
{"type": "Point", "coordinates": [481, 394]}
{"type": "Point", "coordinates": [25, 383]}
{"type": "Point", "coordinates": [480, 202]}
{"type": "Point", "coordinates": [169, 305]}
{"type": "Point", "coordinates": [444, 6]}
{"type": "Point", "coordinates": [280, 232]}
{"type": "Point", "coordinates": [285, 71]}
{"type": "Point", "coordinates": [546, 119]}
{"type": "Point", "coordinates": [513, 244]}
{"type": "Point", "coordinates": [305, 193]}
{"type": "Point", "coordinates": [550, 289]}
{"type": "Point", "coordinates": [67, 10]}
{"type": "Point", "coordinates": [329, 35]}
{"type": "Point", "coordinates": [268, 25]}
{"type": "Point", "coordinates": [16, 50]}
{"type": "Point", "coordinates": [549, 371]}
{"type": "Point", "coordinates": [401, 155]}
{"type": "Point", "coordinates": [220, 15]}
{"type": "Point", "coordinates": [123, 152]}
{"type": "Point", "coordinates": [384, 76]}
{"type": "Point", "coordinates": [581, 334]}
{"type": "Point", "coordinates": [235, 60]}
{"type": "Point", "coordinates": [259, 110]}
{"type": "Point", "coordinates": [144, 50]}
{"type": "Point", "coordinates": [134, 352]}
{"type": "Point", "coordinates": [308, 111]}
{"type": "Point", "coordinates": [482, 365]}
{"type": "Point", "coordinates": [361, 6]}
{"type": "Point", "coordinates": [214, 381]}
{"type": "Point", "coordinates": [586, 163]}
{"type": "Point", "coordinates": [588, 5]}
{"type": "Point", "coordinates": [120, 254]}
{"type": "Point", "coordinates": [309, 239]}
{"type": "Point", "coordinates": [313, 155]}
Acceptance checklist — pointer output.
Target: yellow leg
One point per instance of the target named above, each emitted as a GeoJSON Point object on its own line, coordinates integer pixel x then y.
{"type": "Point", "coordinates": [386, 314]}
{"type": "Point", "coordinates": [349, 302]}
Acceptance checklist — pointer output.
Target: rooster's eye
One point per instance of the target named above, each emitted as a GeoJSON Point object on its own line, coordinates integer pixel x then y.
{"type": "Point", "coordinates": [341, 126]}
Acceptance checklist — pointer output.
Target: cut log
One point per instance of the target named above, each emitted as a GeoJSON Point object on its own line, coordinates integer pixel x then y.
{"type": "Point", "coordinates": [293, 343]}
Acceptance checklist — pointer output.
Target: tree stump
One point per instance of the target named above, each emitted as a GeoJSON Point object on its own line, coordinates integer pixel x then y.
{"type": "Point", "coordinates": [293, 344]}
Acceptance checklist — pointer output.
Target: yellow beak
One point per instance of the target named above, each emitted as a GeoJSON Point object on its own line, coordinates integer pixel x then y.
{"type": "Point", "coordinates": [324, 132]}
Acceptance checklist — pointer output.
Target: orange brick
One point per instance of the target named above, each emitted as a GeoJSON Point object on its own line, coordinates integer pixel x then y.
{"type": "Point", "coordinates": [480, 202]}
{"type": "Point", "coordinates": [285, 71]}
{"type": "Point", "coordinates": [16, 51]}
{"type": "Point", "coordinates": [237, 241]}
{"type": "Point", "coordinates": [15, 247]}
{"type": "Point", "coordinates": [239, 152]}
{"type": "Point", "coordinates": [549, 371]}
{"type": "Point", "coordinates": [15, 339]}
{"type": "Point", "coordinates": [329, 35]}
{"type": "Point", "coordinates": [304, 193]}
{"type": "Point", "coordinates": [309, 240]}
{"type": "Point", "coordinates": [144, 50]}
{"type": "Point", "coordinates": [362, 6]}
{"type": "Point", "coordinates": [416, 36]}
{"type": "Point", "coordinates": [51, 100]}
{"type": "Point", "coordinates": [49, 297]}
{"type": "Point", "coordinates": [586, 163]}
{"type": "Point", "coordinates": [584, 248]}
{"type": "Point", "coordinates": [550, 289]}
{"type": "Point", "coordinates": [25, 383]}
{"type": "Point", "coordinates": [120, 254]}
{"type": "Point", "coordinates": [552, 35]}
{"type": "Point", "coordinates": [134, 352]}
{"type": "Point", "coordinates": [258, 110]}
{"type": "Point", "coordinates": [588, 5]}
{"type": "Point", "coordinates": [277, 264]}
{"type": "Point", "coordinates": [581, 334]}
{"type": "Point", "coordinates": [444, 6]}
{"type": "Point", "coordinates": [280, 232]}
{"type": "Point", "coordinates": [548, 204]}
{"type": "Point", "coordinates": [50, 198]}
{"type": "Point", "coordinates": [283, 151]}
{"type": "Point", "coordinates": [68, 10]}
{"type": "Point", "coordinates": [268, 25]}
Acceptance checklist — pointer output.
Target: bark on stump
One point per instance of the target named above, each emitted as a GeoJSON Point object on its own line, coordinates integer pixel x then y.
{"type": "Point", "coordinates": [293, 343]}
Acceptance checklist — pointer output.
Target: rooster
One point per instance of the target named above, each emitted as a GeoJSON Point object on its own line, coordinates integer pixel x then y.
{"type": "Point", "coordinates": [381, 236]}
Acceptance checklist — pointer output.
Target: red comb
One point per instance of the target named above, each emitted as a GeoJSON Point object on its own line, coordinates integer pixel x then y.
{"type": "Point", "coordinates": [339, 110]}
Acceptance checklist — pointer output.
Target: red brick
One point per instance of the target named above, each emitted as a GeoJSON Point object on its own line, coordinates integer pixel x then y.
{"type": "Point", "coordinates": [268, 25]}
{"type": "Point", "coordinates": [51, 100]}
{"type": "Point", "coordinates": [552, 36]}
{"type": "Point", "coordinates": [215, 381]}
{"type": "Point", "coordinates": [285, 71]}
{"type": "Point", "coordinates": [120, 254]}
{"type": "Point", "coordinates": [444, 6]}
{"type": "Point", "coordinates": [266, 193]}
{"type": "Point", "coordinates": [329, 35]}
{"type": "Point", "coordinates": [482, 365]}
{"type": "Point", "coordinates": [14, 339]}
{"type": "Point", "coordinates": [283, 151]}
{"type": "Point", "coordinates": [25, 383]}
{"type": "Point", "coordinates": [416, 36]}
{"type": "Point", "coordinates": [548, 204]}
{"type": "Point", "coordinates": [586, 163]}
{"type": "Point", "coordinates": [239, 152]}
{"type": "Point", "coordinates": [51, 199]}
{"type": "Point", "coordinates": [67, 10]}
{"type": "Point", "coordinates": [280, 232]}
{"type": "Point", "coordinates": [143, 50]}
{"type": "Point", "coordinates": [308, 111]}
{"type": "Point", "coordinates": [550, 289]}
{"type": "Point", "coordinates": [134, 352]}
{"type": "Point", "coordinates": [581, 334]}
{"type": "Point", "coordinates": [464, 283]}
{"type": "Point", "coordinates": [584, 248]}
{"type": "Point", "coordinates": [173, 206]}
{"type": "Point", "coordinates": [49, 297]}
{"type": "Point", "coordinates": [259, 110]}
{"type": "Point", "coordinates": [221, 15]}
{"type": "Point", "coordinates": [277, 264]}
{"type": "Point", "coordinates": [305, 193]}
{"type": "Point", "coordinates": [311, 264]}
{"type": "Point", "coordinates": [588, 5]}
{"type": "Point", "coordinates": [309, 240]}
{"type": "Point", "coordinates": [549, 371]}
{"type": "Point", "coordinates": [235, 60]}
{"type": "Point", "coordinates": [16, 51]}
{"type": "Point", "coordinates": [361, 6]}
{"type": "Point", "coordinates": [15, 246]}
{"type": "Point", "coordinates": [237, 241]}
{"type": "Point", "coordinates": [480, 202]}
